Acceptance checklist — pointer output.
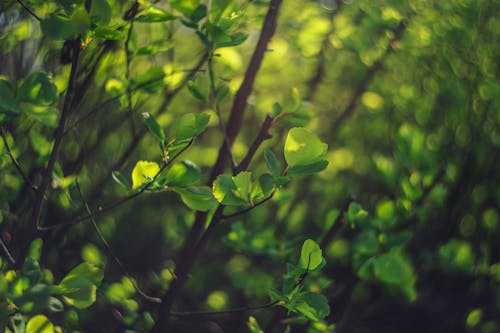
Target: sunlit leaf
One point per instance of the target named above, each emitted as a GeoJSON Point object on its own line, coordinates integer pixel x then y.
{"type": "Point", "coordinates": [39, 324]}
{"type": "Point", "coordinates": [144, 172]}
{"type": "Point", "coordinates": [182, 174]}
{"type": "Point", "coordinates": [302, 147]}
{"type": "Point", "coordinates": [311, 255]}
{"type": "Point", "coordinates": [197, 197]}
{"type": "Point", "coordinates": [153, 14]}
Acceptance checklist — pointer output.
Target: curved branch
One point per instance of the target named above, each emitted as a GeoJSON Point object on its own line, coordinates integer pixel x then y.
{"type": "Point", "coordinates": [222, 312]}
{"type": "Point", "coordinates": [243, 211]}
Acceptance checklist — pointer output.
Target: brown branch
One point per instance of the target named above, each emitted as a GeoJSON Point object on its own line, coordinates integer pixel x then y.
{"type": "Point", "coordinates": [192, 245]}
{"type": "Point", "coordinates": [14, 160]}
{"type": "Point", "coordinates": [370, 74]}
{"type": "Point", "coordinates": [261, 137]}
{"type": "Point", "coordinates": [240, 100]}
{"type": "Point", "coordinates": [111, 252]}
{"type": "Point", "coordinates": [58, 135]}
{"type": "Point", "coordinates": [243, 211]}
{"type": "Point", "coordinates": [7, 253]}
{"type": "Point", "coordinates": [222, 312]}
{"type": "Point", "coordinates": [32, 13]}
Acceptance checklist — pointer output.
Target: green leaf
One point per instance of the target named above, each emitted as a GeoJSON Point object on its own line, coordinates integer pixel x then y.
{"type": "Point", "coordinates": [224, 190]}
{"type": "Point", "coordinates": [8, 101]}
{"type": "Point", "coordinates": [79, 286]}
{"type": "Point", "coordinates": [182, 174]}
{"type": "Point", "coordinates": [301, 170]}
{"type": "Point", "coordinates": [263, 187]}
{"type": "Point", "coordinates": [234, 40]}
{"type": "Point", "coordinates": [312, 305]}
{"type": "Point", "coordinates": [196, 91]}
{"type": "Point", "coordinates": [58, 27]}
{"type": "Point", "coordinates": [191, 124]}
{"type": "Point", "coordinates": [272, 162]}
{"type": "Point", "coordinates": [217, 7]}
{"type": "Point", "coordinates": [222, 92]}
{"type": "Point", "coordinates": [120, 179]}
{"type": "Point", "coordinates": [154, 128]}
{"type": "Point", "coordinates": [302, 147]}
{"type": "Point", "coordinates": [366, 270]}
{"type": "Point", "coordinates": [100, 12]}
{"type": "Point", "coordinates": [38, 89]}
{"type": "Point", "coordinates": [80, 20]}
{"type": "Point", "coordinates": [392, 268]}
{"type": "Point", "coordinates": [144, 172]}
{"type": "Point", "coordinates": [46, 115]}
{"type": "Point", "coordinates": [243, 183]}
{"type": "Point", "coordinates": [39, 324]}
{"type": "Point", "coordinates": [366, 243]}
{"type": "Point", "coordinates": [311, 255]}
{"type": "Point", "coordinates": [253, 325]}
{"type": "Point", "coordinates": [276, 295]}
{"type": "Point", "coordinates": [186, 7]}
{"type": "Point", "coordinates": [197, 197]}
{"type": "Point", "coordinates": [153, 14]}
{"type": "Point", "coordinates": [55, 305]}
{"type": "Point", "coordinates": [34, 299]}
{"type": "Point", "coordinates": [108, 33]}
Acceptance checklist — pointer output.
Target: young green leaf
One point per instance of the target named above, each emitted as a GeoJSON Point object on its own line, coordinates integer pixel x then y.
{"type": "Point", "coordinates": [243, 182]}
{"type": "Point", "coordinates": [224, 190]}
{"type": "Point", "coordinates": [78, 288]}
{"type": "Point", "coordinates": [197, 197]}
{"type": "Point", "coordinates": [38, 89]}
{"type": "Point", "coordinates": [311, 255]}
{"type": "Point", "coordinates": [39, 324]}
{"type": "Point", "coordinates": [144, 172]}
{"type": "Point", "coordinates": [183, 174]}
{"type": "Point", "coordinates": [186, 7]}
{"type": "Point", "coordinates": [302, 170]}
{"type": "Point", "coordinates": [190, 125]}
{"type": "Point", "coordinates": [58, 27]}
{"type": "Point", "coordinates": [302, 147]}
{"type": "Point", "coordinates": [392, 268]}
{"type": "Point", "coordinates": [153, 14]}
{"type": "Point", "coordinates": [100, 12]}
{"type": "Point", "coordinates": [8, 101]}
{"type": "Point", "coordinates": [120, 179]}
{"type": "Point", "coordinates": [154, 128]}
{"type": "Point", "coordinates": [272, 162]}
{"type": "Point", "coordinates": [312, 305]}
{"type": "Point", "coordinates": [253, 325]}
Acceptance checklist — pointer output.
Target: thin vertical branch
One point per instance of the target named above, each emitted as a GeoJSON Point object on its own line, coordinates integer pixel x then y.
{"type": "Point", "coordinates": [192, 246]}
{"type": "Point", "coordinates": [112, 253]}
{"type": "Point", "coordinates": [14, 160]}
{"type": "Point", "coordinates": [58, 135]}
{"type": "Point", "coordinates": [6, 252]}
{"type": "Point", "coordinates": [370, 74]}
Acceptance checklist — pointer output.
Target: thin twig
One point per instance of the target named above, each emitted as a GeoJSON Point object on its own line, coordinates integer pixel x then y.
{"type": "Point", "coordinates": [14, 160]}
{"type": "Point", "coordinates": [58, 135]}
{"type": "Point", "coordinates": [243, 211]}
{"type": "Point", "coordinates": [32, 13]}
{"type": "Point", "coordinates": [370, 74]}
{"type": "Point", "coordinates": [7, 253]}
{"type": "Point", "coordinates": [112, 254]}
{"type": "Point", "coordinates": [223, 312]}
{"type": "Point", "coordinates": [120, 201]}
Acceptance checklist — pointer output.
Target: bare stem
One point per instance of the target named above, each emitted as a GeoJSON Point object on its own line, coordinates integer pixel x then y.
{"type": "Point", "coordinates": [32, 13]}
{"type": "Point", "coordinates": [222, 312]}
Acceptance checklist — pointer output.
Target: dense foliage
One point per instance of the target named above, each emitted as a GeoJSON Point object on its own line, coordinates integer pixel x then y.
{"type": "Point", "coordinates": [249, 166]}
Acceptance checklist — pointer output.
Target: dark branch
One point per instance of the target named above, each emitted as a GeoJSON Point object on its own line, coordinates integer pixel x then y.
{"type": "Point", "coordinates": [111, 252]}
{"type": "Point", "coordinates": [32, 13]}
{"type": "Point", "coordinates": [58, 135]}
{"type": "Point", "coordinates": [243, 211]}
{"type": "Point", "coordinates": [7, 253]}
{"type": "Point", "coordinates": [223, 312]}
{"type": "Point", "coordinates": [261, 137]}
{"type": "Point", "coordinates": [14, 160]}
{"type": "Point", "coordinates": [370, 74]}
